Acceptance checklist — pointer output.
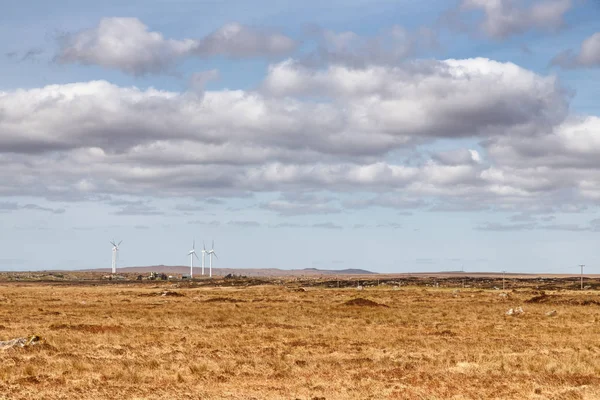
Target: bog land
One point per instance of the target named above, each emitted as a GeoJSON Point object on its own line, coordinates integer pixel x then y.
{"type": "Point", "coordinates": [400, 337]}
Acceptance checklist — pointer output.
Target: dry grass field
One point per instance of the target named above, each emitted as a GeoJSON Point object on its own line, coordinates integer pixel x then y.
{"type": "Point", "coordinates": [272, 342]}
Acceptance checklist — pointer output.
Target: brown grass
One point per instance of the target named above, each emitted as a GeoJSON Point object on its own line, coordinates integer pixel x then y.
{"type": "Point", "coordinates": [270, 342]}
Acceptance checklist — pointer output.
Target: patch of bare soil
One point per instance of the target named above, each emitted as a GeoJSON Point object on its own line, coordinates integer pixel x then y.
{"type": "Point", "coordinates": [360, 302]}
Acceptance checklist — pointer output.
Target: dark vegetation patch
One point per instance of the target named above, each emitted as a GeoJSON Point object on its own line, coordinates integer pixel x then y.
{"type": "Point", "coordinates": [360, 302]}
{"type": "Point", "coordinates": [224, 300]}
{"type": "Point", "coordinates": [260, 299]}
{"type": "Point", "coordinates": [170, 293]}
{"type": "Point", "coordinates": [445, 332]}
{"type": "Point", "coordinates": [29, 380]}
{"type": "Point", "coordinates": [273, 325]}
{"type": "Point", "coordinates": [164, 293]}
{"type": "Point", "coordinates": [544, 298]}
{"type": "Point", "coordinates": [88, 328]}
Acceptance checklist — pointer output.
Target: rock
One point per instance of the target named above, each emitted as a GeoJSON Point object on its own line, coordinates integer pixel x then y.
{"type": "Point", "coordinates": [21, 342]}
{"type": "Point", "coordinates": [515, 311]}
{"type": "Point", "coordinates": [551, 313]}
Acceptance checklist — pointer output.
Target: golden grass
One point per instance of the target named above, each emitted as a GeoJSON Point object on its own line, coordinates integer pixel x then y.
{"type": "Point", "coordinates": [270, 342]}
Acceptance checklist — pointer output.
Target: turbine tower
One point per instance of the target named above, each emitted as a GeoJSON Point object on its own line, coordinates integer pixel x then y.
{"type": "Point", "coordinates": [210, 254]}
{"type": "Point", "coordinates": [115, 255]}
{"type": "Point", "coordinates": [192, 254]}
{"type": "Point", "coordinates": [203, 256]}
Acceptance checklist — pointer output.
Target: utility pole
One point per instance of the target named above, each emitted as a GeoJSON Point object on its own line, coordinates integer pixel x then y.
{"type": "Point", "coordinates": [503, 274]}
{"type": "Point", "coordinates": [582, 265]}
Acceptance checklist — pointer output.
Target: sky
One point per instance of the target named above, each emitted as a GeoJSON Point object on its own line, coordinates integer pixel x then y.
{"type": "Point", "coordinates": [393, 136]}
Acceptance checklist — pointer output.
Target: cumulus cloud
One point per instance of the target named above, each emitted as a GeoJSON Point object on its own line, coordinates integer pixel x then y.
{"type": "Point", "coordinates": [574, 144]}
{"type": "Point", "coordinates": [128, 44]}
{"type": "Point", "coordinates": [387, 47]}
{"type": "Point", "coordinates": [369, 112]}
{"type": "Point", "coordinates": [588, 55]}
{"type": "Point", "coordinates": [236, 40]}
{"type": "Point", "coordinates": [95, 138]}
{"type": "Point", "coordinates": [465, 97]}
{"type": "Point", "coordinates": [125, 44]}
{"type": "Point", "coordinates": [458, 157]}
{"type": "Point", "coordinates": [199, 80]}
{"type": "Point", "coordinates": [503, 18]}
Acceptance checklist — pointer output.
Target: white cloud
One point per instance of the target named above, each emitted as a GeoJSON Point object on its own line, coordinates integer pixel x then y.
{"type": "Point", "coordinates": [95, 138]}
{"type": "Point", "coordinates": [466, 97]}
{"type": "Point", "coordinates": [199, 80]}
{"type": "Point", "coordinates": [504, 18]}
{"type": "Point", "coordinates": [236, 40]}
{"type": "Point", "coordinates": [128, 45]}
{"type": "Point", "coordinates": [588, 56]}
{"type": "Point", "coordinates": [458, 157]}
{"type": "Point", "coordinates": [123, 43]}
{"type": "Point", "coordinates": [388, 47]}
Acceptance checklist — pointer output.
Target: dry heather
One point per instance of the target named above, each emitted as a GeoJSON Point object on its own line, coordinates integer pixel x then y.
{"type": "Point", "coordinates": [276, 343]}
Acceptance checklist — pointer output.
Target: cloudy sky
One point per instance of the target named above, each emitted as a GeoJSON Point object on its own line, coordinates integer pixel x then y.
{"type": "Point", "coordinates": [388, 135]}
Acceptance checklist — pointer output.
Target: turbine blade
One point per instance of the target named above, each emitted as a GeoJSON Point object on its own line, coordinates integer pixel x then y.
{"type": "Point", "coordinates": [213, 244]}
{"type": "Point", "coordinates": [112, 242]}
{"type": "Point", "coordinates": [194, 245]}
{"type": "Point", "coordinates": [197, 258]}
{"type": "Point", "coordinates": [215, 254]}
{"type": "Point", "coordinates": [120, 242]}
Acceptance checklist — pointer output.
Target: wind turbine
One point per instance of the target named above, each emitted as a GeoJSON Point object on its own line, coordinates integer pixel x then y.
{"type": "Point", "coordinates": [210, 254]}
{"type": "Point", "coordinates": [203, 256]}
{"type": "Point", "coordinates": [192, 254]}
{"type": "Point", "coordinates": [115, 255]}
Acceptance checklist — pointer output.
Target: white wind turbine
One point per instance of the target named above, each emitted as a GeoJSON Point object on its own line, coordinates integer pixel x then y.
{"type": "Point", "coordinates": [115, 255]}
{"type": "Point", "coordinates": [203, 256]}
{"type": "Point", "coordinates": [210, 254]}
{"type": "Point", "coordinates": [192, 254]}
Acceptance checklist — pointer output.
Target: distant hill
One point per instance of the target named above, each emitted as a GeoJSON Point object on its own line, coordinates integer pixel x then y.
{"type": "Point", "coordinates": [180, 269]}
{"type": "Point", "coordinates": [349, 271]}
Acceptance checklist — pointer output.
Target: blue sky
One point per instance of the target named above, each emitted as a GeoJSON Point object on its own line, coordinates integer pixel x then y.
{"type": "Point", "coordinates": [388, 135]}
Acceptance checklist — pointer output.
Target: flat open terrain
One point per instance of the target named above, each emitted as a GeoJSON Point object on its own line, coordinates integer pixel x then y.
{"type": "Point", "coordinates": [279, 342]}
